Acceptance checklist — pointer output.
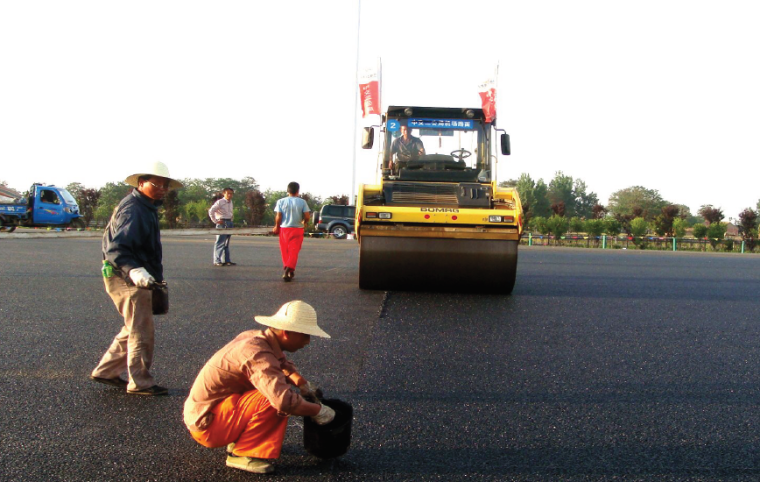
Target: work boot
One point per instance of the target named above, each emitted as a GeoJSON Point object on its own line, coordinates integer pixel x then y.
{"type": "Point", "coordinates": [154, 391]}
{"type": "Point", "coordinates": [117, 382]}
{"type": "Point", "coordinates": [250, 464]}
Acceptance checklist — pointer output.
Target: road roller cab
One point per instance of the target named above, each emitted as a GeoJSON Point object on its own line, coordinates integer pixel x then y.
{"type": "Point", "coordinates": [437, 219]}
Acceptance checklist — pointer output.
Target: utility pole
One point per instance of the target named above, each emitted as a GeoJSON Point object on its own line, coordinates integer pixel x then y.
{"type": "Point", "coordinates": [352, 195]}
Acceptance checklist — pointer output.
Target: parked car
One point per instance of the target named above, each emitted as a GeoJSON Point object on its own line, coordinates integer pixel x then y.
{"type": "Point", "coordinates": [337, 220]}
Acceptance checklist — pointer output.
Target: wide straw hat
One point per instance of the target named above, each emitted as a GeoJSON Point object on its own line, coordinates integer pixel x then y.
{"type": "Point", "coordinates": [155, 169]}
{"type": "Point", "coordinates": [294, 316]}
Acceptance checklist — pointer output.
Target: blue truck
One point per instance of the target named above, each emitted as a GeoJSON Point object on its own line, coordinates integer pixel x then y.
{"type": "Point", "coordinates": [46, 206]}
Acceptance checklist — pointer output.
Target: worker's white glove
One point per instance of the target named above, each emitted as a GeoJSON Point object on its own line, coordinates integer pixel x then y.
{"type": "Point", "coordinates": [325, 415]}
{"type": "Point", "coordinates": [141, 278]}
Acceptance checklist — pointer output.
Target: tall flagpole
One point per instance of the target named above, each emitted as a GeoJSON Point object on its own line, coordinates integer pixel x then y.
{"type": "Point", "coordinates": [351, 196]}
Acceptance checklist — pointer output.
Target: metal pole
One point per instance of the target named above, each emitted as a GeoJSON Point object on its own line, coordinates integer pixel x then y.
{"type": "Point", "coordinates": [674, 243]}
{"type": "Point", "coordinates": [352, 196]}
{"type": "Point", "coordinates": [604, 241]}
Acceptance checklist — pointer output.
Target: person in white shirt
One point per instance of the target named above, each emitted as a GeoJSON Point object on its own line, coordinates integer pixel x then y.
{"type": "Point", "coordinates": [221, 215]}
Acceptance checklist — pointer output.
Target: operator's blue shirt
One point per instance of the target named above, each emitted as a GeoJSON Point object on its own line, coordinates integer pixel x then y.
{"type": "Point", "coordinates": [292, 209]}
{"type": "Point", "coordinates": [133, 239]}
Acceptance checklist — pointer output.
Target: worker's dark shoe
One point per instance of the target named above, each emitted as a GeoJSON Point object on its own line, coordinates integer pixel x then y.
{"type": "Point", "coordinates": [154, 391]}
{"type": "Point", "coordinates": [291, 273]}
{"type": "Point", "coordinates": [230, 263]}
{"type": "Point", "coordinates": [218, 264]}
{"type": "Point", "coordinates": [117, 382]}
{"type": "Point", "coordinates": [250, 464]}
{"type": "Point", "coordinates": [285, 275]}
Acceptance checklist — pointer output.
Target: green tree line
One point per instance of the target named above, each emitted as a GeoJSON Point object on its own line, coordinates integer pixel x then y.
{"type": "Point", "coordinates": [188, 207]}
{"type": "Point", "coordinates": [566, 205]}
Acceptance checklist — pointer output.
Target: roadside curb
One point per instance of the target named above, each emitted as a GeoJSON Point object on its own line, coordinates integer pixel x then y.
{"type": "Point", "coordinates": [62, 233]}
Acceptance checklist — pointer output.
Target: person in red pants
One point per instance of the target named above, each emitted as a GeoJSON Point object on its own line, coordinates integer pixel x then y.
{"type": "Point", "coordinates": [243, 395]}
{"type": "Point", "coordinates": [292, 215]}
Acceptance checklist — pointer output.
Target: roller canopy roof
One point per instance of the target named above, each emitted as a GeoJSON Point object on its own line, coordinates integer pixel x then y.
{"type": "Point", "coordinates": [398, 112]}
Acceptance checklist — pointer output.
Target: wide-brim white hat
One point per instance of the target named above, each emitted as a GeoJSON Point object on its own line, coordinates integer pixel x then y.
{"type": "Point", "coordinates": [155, 169]}
{"type": "Point", "coordinates": [294, 316]}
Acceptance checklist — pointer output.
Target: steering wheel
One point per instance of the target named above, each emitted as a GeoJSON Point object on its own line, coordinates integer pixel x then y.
{"type": "Point", "coordinates": [461, 154]}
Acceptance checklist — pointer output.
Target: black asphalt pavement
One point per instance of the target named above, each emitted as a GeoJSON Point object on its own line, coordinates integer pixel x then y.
{"type": "Point", "coordinates": [602, 365]}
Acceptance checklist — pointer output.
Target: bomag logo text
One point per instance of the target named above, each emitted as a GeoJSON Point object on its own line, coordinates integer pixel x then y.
{"type": "Point", "coordinates": [439, 210]}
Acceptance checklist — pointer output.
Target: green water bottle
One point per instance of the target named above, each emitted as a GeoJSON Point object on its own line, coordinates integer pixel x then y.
{"type": "Point", "coordinates": [107, 269]}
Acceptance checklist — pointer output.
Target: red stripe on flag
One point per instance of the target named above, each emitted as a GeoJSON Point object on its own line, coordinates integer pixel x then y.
{"type": "Point", "coordinates": [370, 96]}
{"type": "Point", "coordinates": [488, 98]}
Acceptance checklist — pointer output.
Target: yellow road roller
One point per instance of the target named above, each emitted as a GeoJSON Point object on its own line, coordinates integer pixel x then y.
{"type": "Point", "coordinates": [437, 220]}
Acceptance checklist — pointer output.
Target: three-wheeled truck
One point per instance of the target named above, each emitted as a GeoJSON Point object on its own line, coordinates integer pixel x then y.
{"type": "Point", "coordinates": [46, 206]}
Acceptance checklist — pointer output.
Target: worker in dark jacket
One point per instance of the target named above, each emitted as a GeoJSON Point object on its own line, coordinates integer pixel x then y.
{"type": "Point", "coordinates": [132, 263]}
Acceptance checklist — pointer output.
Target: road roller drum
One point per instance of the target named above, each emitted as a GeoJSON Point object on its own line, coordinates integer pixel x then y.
{"type": "Point", "coordinates": [433, 264]}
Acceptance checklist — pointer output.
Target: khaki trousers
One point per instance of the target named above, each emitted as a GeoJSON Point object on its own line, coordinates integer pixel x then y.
{"type": "Point", "coordinates": [132, 349]}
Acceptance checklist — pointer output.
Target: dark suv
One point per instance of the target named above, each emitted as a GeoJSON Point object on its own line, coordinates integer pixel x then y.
{"type": "Point", "coordinates": [337, 220]}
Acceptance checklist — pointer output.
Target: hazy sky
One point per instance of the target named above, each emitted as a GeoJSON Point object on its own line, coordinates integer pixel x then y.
{"type": "Point", "coordinates": [662, 94]}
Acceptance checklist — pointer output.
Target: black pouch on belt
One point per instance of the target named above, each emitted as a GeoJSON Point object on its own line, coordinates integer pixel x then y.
{"type": "Point", "coordinates": [160, 298]}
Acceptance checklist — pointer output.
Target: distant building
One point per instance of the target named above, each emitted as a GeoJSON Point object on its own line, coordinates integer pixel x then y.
{"type": "Point", "coordinates": [732, 230]}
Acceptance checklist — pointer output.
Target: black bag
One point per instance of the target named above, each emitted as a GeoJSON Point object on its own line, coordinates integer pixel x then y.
{"type": "Point", "coordinates": [333, 439]}
{"type": "Point", "coordinates": [160, 298]}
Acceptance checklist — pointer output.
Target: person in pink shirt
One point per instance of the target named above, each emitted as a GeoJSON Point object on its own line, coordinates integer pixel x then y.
{"type": "Point", "coordinates": [221, 215]}
{"type": "Point", "coordinates": [243, 395]}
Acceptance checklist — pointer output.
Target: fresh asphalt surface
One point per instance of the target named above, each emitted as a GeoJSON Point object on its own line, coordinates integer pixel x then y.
{"type": "Point", "coordinates": [601, 365]}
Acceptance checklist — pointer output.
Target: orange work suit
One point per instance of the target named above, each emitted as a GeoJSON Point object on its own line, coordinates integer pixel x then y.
{"type": "Point", "coordinates": [248, 420]}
